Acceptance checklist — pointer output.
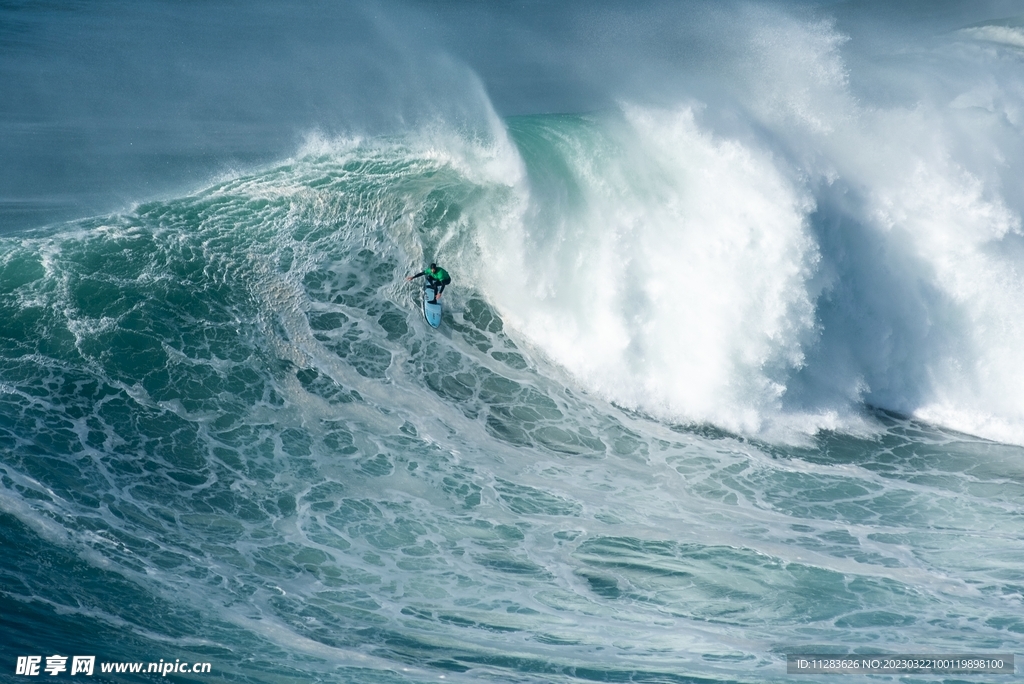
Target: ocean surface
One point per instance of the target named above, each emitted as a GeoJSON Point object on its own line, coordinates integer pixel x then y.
{"type": "Point", "coordinates": [731, 366]}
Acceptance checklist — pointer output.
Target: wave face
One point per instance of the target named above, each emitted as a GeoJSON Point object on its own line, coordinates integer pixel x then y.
{"type": "Point", "coordinates": [230, 438]}
{"type": "Point", "coordinates": [703, 394]}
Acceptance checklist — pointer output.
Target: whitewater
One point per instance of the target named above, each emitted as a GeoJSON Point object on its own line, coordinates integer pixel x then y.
{"type": "Point", "coordinates": [730, 368]}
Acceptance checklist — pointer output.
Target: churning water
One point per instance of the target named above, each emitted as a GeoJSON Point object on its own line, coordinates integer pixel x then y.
{"type": "Point", "coordinates": [725, 374]}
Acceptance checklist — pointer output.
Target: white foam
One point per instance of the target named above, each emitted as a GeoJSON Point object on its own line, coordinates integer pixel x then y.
{"type": "Point", "coordinates": [1011, 36]}
{"type": "Point", "coordinates": [836, 253]}
{"type": "Point", "coordinates": [681, 288]}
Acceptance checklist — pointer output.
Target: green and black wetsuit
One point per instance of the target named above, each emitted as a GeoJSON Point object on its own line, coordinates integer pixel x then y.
{"type": "Point", "coordinates": [437, 278]}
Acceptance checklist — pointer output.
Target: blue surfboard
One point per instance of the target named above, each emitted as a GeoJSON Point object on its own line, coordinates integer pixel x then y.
{"type": "Point", "coordinates": [432, 312]}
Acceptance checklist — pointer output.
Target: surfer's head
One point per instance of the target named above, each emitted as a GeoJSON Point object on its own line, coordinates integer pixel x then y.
{"type": "Point", "coordinates": [433, 266]}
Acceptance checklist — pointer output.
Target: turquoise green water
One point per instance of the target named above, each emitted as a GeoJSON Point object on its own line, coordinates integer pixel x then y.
{"type": "Point", "coordinates": [227, 435]}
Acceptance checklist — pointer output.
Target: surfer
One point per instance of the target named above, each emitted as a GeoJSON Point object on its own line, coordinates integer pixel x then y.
{"type": "Point", "coordinates": [437, 278]}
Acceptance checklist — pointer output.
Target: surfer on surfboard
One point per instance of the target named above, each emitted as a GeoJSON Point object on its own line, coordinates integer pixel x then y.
{"type": "Point", "coordinates": [437, 278]}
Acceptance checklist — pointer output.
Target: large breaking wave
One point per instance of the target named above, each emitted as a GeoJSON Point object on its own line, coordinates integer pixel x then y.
{"type": "Point", "coordinates": [688, 410]}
